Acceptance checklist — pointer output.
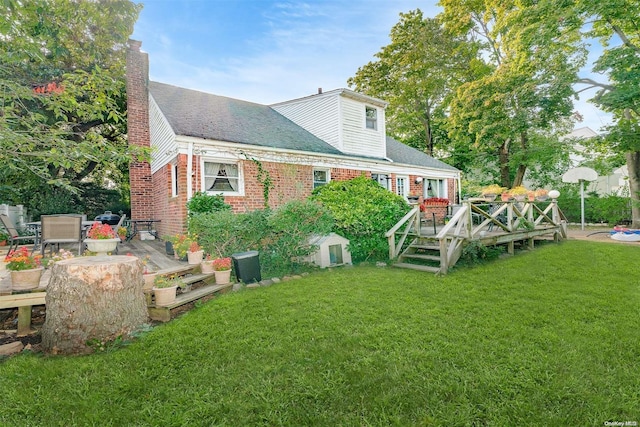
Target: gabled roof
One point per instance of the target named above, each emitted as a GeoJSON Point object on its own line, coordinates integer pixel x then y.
{"type": "Point", "coordinates": [203, 115]}
{"type": "Point", "coordinates": [218, 118]}
{"type": "Point", "coordinates": [402, 153]}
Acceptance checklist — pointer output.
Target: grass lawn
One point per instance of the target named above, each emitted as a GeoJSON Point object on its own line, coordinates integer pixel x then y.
{"type": "Point", "coordinates": [548, 337]}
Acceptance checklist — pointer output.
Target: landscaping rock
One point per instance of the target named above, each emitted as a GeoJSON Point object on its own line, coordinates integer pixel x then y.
{"type": "Point", "coordinates": [253, 285]}
{"type": "Point", "coordinates": [266, 282]}
{"type": "Point", "coordinates": [11, 348]}
{"type": "Point", "coordinates": [275, 280]}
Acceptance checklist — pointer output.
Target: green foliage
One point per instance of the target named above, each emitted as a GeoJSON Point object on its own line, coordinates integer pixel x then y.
{"type": "Point", "coordinates": [364, 212]}
{"type": "Point", "coordinates": [264, 178]}
{"type": "Point", "coordinates": [610, 209]}
{"type": "Point", "coordinates": [202, 202]}
{"type": "Point", "coordinates": [475, 253]}
{"type": "Point", "coordinates": [281, 236]}
{"type": "Point", "coordinates": [62, 92]}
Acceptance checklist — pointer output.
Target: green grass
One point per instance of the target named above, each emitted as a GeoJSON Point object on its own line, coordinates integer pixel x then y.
{"type": "Point", "coordinates": [548, 337]}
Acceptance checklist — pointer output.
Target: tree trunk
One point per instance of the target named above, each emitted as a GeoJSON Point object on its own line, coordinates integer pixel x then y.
{"type": "Point", "coordinates": [633, 165]}
{"type": "Point", "coordinates": [92, 299]}
{"type": "Point", "coordinates": [503, 156]}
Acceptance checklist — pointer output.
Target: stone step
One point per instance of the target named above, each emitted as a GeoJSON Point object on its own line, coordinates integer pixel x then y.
{"type": "Point", "coordinates": [417, 267]}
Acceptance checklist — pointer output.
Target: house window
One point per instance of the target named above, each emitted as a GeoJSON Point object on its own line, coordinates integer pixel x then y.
{"type": "Point", "coordinates": [221, 177]}
{"type": "Point", "coordinates": [320, 177]}
{"type": "Point", "coordinates": [335, 254]}
{"type": "Point", "coordinates": [371, 118]}
{"type": "Point", "coordinates": [436, 188]}
{"type": "Point", "coordinates": [382, 179]}
{"type": "Point", "coordinates": [174, 180]}
{"type": "Point", "coordinates": [402, 186]}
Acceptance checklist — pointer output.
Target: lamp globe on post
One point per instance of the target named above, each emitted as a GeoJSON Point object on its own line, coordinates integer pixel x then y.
{"type": "Point", "coordinates": [554, 194]}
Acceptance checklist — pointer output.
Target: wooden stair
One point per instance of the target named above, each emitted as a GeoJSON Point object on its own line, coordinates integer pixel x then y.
{"type": "Point", "coordinates": [422, 254]}
{"type": "Point", "coordinates": [190, 275]}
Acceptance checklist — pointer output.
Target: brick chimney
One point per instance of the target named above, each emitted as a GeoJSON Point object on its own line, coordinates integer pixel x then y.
{"type": "Point", "coordinates": [137, 75]}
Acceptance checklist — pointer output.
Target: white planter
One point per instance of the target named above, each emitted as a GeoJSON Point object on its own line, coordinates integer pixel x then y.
{"type": "Point", "coordinates": [165, 296]}
{"type": "Point", "coordinates": [102, 246]}
{"type": "Point", "coordinates": [195, 258]}
{"type": "Point", "coordinates": [223, 277]}
{"type": "Point", "coordinates": [23, 280]}
{"type": "Point", "coordinates": [206, 267]}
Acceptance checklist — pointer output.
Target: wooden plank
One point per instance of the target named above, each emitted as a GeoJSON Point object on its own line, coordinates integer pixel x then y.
{"type": "Point", "coordinates": [22, 300]}
{"type": "Point", "coordinates": [417, 267]}
{"type": "Point", "coordinates": [24, 320]}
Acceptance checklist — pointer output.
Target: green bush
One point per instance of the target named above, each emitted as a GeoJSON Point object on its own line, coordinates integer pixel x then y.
{"type": "Point", "coordinates": [280, 236]}
{"type": "Point", "coordinates": [610, 209]}
{"type": "Point", "coordinates": [364, 212]}
{"type": "Point", "coordinates": [202, 202]}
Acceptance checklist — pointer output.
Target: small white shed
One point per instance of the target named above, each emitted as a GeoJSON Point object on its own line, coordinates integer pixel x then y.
{"type": "Point", "coordinates": [332, 250]}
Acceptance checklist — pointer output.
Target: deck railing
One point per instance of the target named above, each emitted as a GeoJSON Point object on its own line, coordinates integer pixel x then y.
{"type": "Point", "coordinates": [493, 222]}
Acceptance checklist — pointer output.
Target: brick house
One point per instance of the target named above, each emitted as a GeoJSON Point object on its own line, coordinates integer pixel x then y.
{"type": "Point", "coordinates": [205, 142]}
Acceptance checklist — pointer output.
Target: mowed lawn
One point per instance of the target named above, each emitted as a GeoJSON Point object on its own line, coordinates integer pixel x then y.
{"type": "Point", "coordinates": [548, 337]}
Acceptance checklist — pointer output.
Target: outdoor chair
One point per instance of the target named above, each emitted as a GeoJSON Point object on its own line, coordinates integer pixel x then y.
{"type": "Point", "coordinates": [58, 229]}
{"type": "Point", "coordinates": [14, 238]}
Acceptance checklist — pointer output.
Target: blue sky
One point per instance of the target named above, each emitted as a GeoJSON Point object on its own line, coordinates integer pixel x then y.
{"type": "Point", "coordinates": [268, 51]}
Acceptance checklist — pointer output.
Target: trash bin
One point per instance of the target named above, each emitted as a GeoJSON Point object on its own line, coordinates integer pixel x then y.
{"type": "Point", "coordinates": [247, 266]}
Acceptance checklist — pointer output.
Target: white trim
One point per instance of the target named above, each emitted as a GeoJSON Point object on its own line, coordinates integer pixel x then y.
{"type": "Point", "coordinates": [190, 171]}
{"type": "Point", "coordinates": [174, 178]}
{"type": "Point", "coordinates": [227, 150]}
{"type": "Point", "coordinates": [406, 185]}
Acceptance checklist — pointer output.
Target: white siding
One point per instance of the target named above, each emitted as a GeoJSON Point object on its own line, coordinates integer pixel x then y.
{"type": "Point", "coordinates": [318, 115]}
{"type": "Point", "coordinates": [357, 139]}
{"type": "Point", "coordinates": [163, 139]}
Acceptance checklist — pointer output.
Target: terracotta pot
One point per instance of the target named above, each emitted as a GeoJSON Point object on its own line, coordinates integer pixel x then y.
{"type": "Point", "coordinates": [223, 277]}
{"type": "Point", "coordinates": [25, 280]}
{"type": "Point", "coordinates": [165, 296]}
{"type": "Point", "coordinates": [194, 258]}
{"type": "Point", "coordinates": [102, 246]}
{"type": "Point", "coordinates": [505, 197]}
{"type": "Point", "coordinates": [206, 267]}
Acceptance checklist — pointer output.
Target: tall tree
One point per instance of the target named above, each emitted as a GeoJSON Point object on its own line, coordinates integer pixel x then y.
{"type": "Point", "coordinates": [527, 94]}
{"type": "Point", "coordinates": [62, 91]}
{"type": "Point", "coordinates": [617, 25]}
{"type": "Point", "coordinates": [416, 73]}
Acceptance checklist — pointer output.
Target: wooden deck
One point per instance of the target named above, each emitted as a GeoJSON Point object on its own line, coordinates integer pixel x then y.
{"type": "Point", "coordinates": [418, 245]}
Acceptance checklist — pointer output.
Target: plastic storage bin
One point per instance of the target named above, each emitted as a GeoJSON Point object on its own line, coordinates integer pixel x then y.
{"type": "Point", "coordinates": [247, 266]}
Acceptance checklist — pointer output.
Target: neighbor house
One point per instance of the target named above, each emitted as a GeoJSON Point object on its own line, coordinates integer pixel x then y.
{"type": "Point", "coordinates": [220, 145]}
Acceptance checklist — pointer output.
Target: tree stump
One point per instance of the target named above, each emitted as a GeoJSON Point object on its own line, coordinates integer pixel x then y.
{"type": "Point", "coordinates": [92, 299]}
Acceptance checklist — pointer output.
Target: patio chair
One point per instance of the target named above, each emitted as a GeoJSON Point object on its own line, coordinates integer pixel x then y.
{"type": "Point", "coordinates": [14, 238]}
{"type": "Point", "coordinates": [119, 224]}
{"type": "Point", "coordinates": [58, 229]}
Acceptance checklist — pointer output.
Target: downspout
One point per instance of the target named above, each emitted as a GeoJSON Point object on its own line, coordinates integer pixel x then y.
{"type": "Point", "coordinates": [190, 171]}
{"type": "Point", "coordinates": [459, 189]}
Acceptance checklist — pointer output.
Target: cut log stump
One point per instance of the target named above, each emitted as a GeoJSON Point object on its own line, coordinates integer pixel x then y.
{"type": "Point", "coordinates": [92, 299]}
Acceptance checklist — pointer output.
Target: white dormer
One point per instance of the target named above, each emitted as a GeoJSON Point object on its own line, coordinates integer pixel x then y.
{"type": "Point", "coordinates": [351, 122]}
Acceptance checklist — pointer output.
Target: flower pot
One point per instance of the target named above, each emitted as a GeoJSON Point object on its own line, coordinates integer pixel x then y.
{"type": "Point", "coordinates": [165, 296]}
{"type": "Point", "coordinates": [194, 258]}
{"type": "Point", "coordinates": [168, 246]}
{"type": "Point", "coordinates": [223, 277]}
{"type": "Point", "coordinates": [542, 198]}
{"type": "Point", "coordinates": [102, 246]}
{"type": "Point", "coordinates": [505, 197]}
{"type": "Point", "coordinates": [148, 280]}
{"type": "Point", "coordinates": [25, 280]}
{"type": "Point", "coordinates": [490, 197]}
{"type": "Point", "coordinates": [520, 197]}
{"type": "Point", "coordinates": [206, 267]}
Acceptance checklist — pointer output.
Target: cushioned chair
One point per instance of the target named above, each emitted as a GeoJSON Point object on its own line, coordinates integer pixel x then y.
{"type": "Point", "coordinates": [14, 238]}
{"type": "Point", "coordinates": [56, 229]}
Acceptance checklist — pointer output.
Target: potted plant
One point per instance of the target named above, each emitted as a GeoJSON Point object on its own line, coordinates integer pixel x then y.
{"type": "Point", "coordinates": [490, 192]}
{"type": "Point", "coordinates": [195, 253]}
{"type": "Point", "coordinates": [61, 255]}
{"type": "Point", "coordinates": [25, 269]}
{"type": "Point", "coordinates": [122, 233]}
{"type": "Point", "coordinates": [542, 194]}
{"type": "Point", "coordinates": [519, 192]}
{"type": "Point", "coordinates": [101, 239]}
{"type": "Point", "coordinates": [164, 289]}
{"type": "Point", "coordinates": [206, 266]}
{"type": "Point", "coordinates": [3, 238]}
{"type": "Point", "coordinates": [222, 270]}
{"type": "Point", "coordinates": [436, 201]}
{"type": "Point", "coordinates": [181, 244]}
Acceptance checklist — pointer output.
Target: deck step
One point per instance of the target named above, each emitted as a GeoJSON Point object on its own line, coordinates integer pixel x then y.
{"type": "Point", "coordinates": [426, 247]}
{"type": "Point", "coordinates": [422, 257]}
{"type": "Point", "coordinates": [163, 313]}
{"type": "Point", "coordinates": [417, 267]}
{"type": "Point", "coordinates": [200, 277]}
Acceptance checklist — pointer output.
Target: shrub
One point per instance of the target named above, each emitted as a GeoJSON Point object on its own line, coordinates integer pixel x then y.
{"type": "Point", "coordinates": [364, 212]}
{"type": "Point", "coordinates": [202, 203]}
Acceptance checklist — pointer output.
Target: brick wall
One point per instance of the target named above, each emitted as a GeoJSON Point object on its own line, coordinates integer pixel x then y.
{"type": "Point", "coordinates": [138, 130]}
